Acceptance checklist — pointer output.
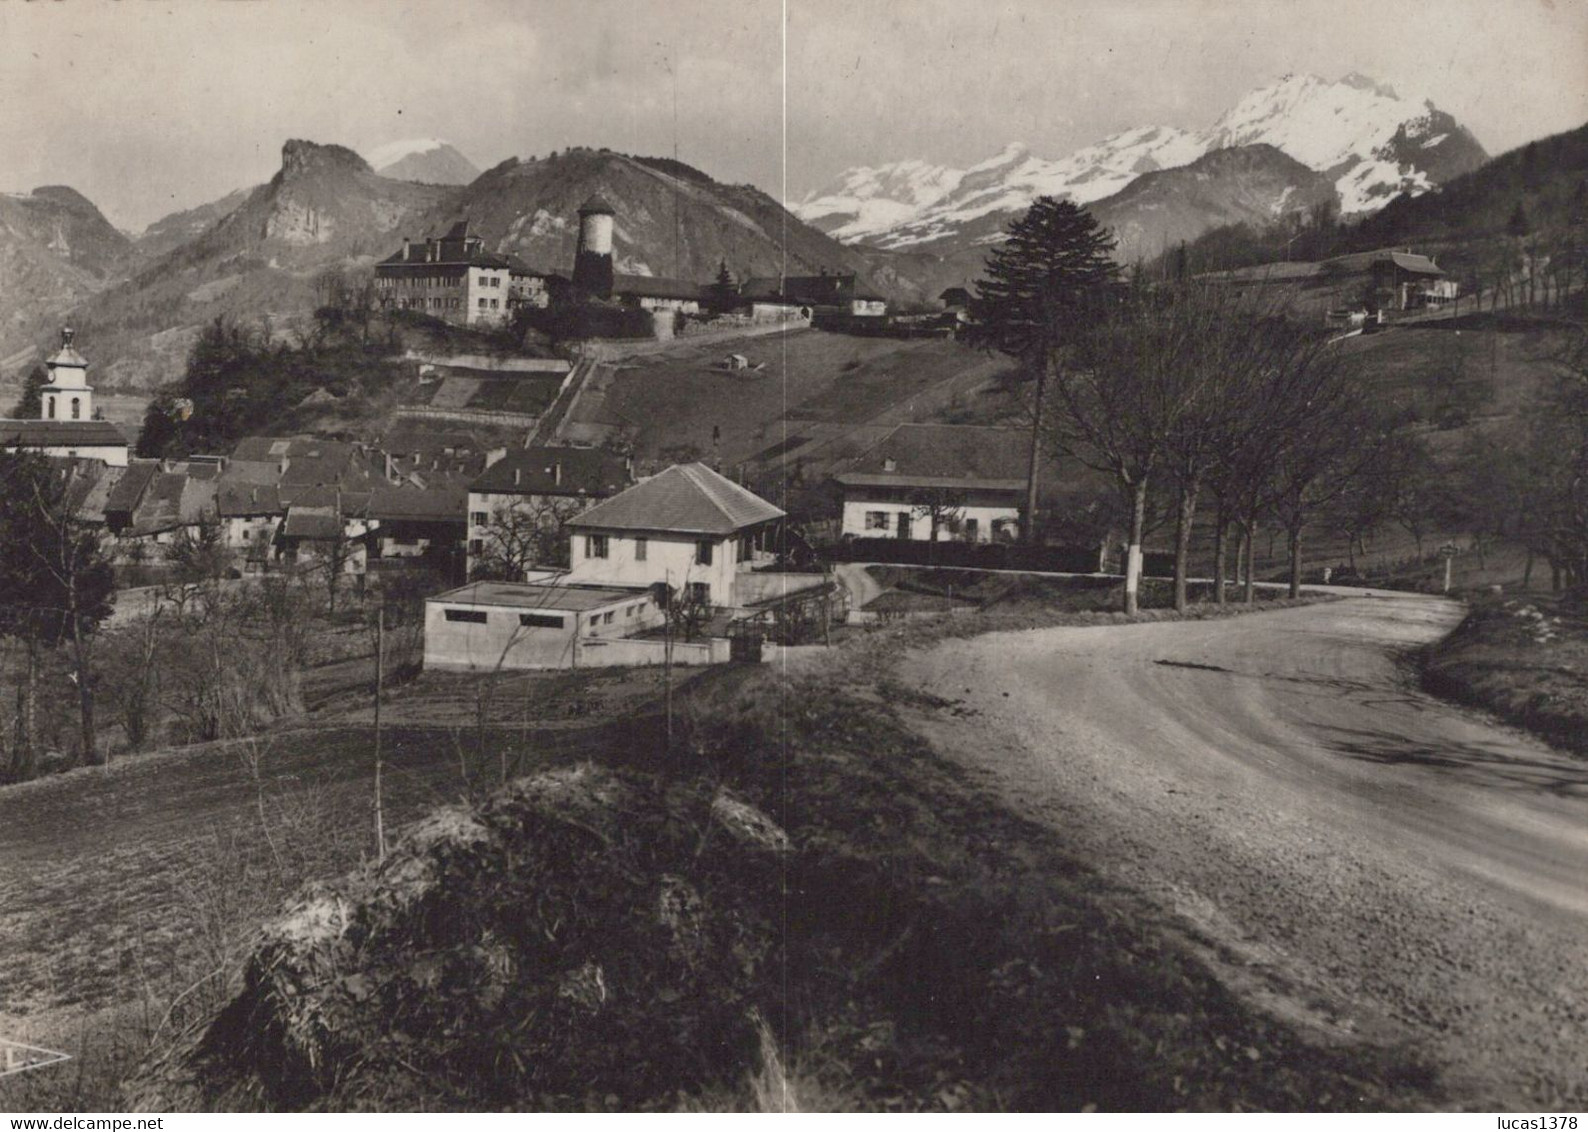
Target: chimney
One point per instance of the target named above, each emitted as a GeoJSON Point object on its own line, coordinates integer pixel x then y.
{"type": "Point", "coordinates": [518, 477]}
{"type": "Point", "coordinates": [391, 470]}
{"type": "Point", "coordinates": [253, 495]}
{"type": "Point", "coordinates": [556, 473]}
{"type": "Point", "coordinates": [406, 248]}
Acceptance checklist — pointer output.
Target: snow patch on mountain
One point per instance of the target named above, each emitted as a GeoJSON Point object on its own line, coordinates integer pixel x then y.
{"type": "Point", "coordinates": [393, 152]}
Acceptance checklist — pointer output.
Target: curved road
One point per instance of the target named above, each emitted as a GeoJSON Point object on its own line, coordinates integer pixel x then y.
{"type": "Point", "coordinates": [1346, 851]}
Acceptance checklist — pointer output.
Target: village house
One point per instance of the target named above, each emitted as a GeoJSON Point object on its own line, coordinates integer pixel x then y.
{"type": "Point", "coordinates": [687, 537]}
{"type": "Point", "coordinates": [250, 516]}
{"type": "Point", "coordinates": [451, 277]}
{"type": "Point", "coordinates": [964, 483]}
{"type": "Point", "coordinates": [68, 424]}
{"type": "Point", "coordinates": [1403, 281]}
{"type": "Point", "coordinates": [526, 490]}
{"type": "Point", "coordinates": [687, 527]}
{"type": "Point", "coordinates": [155, 503]}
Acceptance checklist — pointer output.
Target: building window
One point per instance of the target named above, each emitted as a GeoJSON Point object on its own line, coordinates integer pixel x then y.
{"type": "Point", "coordinates": [482, 303]}
{"type": "Point", "coordinates": [540, 620]}
{"type": "Point", "coordinates": [476, 546]}
{"type": "Point", "coordinates": [479, 518]}
{"type": "Point", "coordinates": [495, 303]}
{"type": "Point", "coordinates": [972, 530]}
{"type": "Point", "coordinates": [77, 408]}
{"type": "Point", "coordinates": [700, 593]}
{"type": "Point", "coordinates": [245, 534]}
{"type": "Point", "coordinates": [472, 616]}
{"type": "Point", "coordinates": [703, 552]}
{"type": "Point", "coordinates": [642, 547]}
{"type": "Point", "coordinates": [876, 520]}
{"type": "Point", "coordinates": [50, 414]}
{"type": "Point", "coordinates": [595, 546]}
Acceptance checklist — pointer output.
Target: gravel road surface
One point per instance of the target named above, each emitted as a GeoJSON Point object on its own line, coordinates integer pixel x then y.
{"type": "Point", "coordinates": [1346, 851]}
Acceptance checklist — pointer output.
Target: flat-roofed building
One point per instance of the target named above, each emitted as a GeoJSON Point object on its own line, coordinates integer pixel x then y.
{"type": "Point", "coordinates": [545, 623]}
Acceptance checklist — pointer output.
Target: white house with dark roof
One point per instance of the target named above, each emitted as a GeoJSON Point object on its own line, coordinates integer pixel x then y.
{"type": "Point", "coordinates": [66, 424]}
{"type": "Point", "coordinates": [536, 484]}
{"type": "Point", "coordinates": [971, 478]}
{"type": "Point", "coordinates": [688, 527]}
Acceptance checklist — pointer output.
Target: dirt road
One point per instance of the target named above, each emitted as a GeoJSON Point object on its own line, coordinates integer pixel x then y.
{"type": "Point", "coordinates": [1351, 853]}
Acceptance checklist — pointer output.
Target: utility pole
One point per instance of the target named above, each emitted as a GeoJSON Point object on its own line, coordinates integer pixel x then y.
{"type": "Point", "coordinates": [380, 654]}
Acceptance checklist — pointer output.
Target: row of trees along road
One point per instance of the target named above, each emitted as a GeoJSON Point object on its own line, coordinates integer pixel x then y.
{"type": "Point", "coordinates": [1189, 393]}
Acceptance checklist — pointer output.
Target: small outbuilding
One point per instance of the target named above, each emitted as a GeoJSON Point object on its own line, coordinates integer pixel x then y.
{"type": "Point", "coordinates": [545, 623]}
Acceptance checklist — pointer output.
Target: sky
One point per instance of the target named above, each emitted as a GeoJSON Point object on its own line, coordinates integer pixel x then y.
{"type": "Point", "coordinates": [150, 106]}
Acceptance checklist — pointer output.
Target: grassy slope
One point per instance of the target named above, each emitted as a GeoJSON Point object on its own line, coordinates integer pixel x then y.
{"type": "Point", "coordinates": [1525, 660]}
{"type": "Point", "coordinates": [671, 402]}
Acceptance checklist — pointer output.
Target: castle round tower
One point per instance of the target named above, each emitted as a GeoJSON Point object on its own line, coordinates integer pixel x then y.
{"type": "Point", "coordinates": [68, 396]}
{"type": "Point", "coordinates": [592, 264]}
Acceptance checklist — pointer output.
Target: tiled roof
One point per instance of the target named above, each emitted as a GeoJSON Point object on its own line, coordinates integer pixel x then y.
{"type": "Point", "coordinates": [315, 523]}
{"type": "Point", "coordinates": [236, 500]}
{"type": "Point", "coordinates": [686, 498]}
{"type": "Point", "coordinates": [60, 434]}
{"type": "Point", "coordinates": [1416, 264]}
{"type": "Point", "coordinates": [129, 489]}
{"type": "Point", "coordinates": [938, 455]}
{"type": "Point", "coordinates": [592, 472]}
{"type": "Point", "coordinates": [597, 203]}
{"type": "Point", "coordinates": [439, 503]}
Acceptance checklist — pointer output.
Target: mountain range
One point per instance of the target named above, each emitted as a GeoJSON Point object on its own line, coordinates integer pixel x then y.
{"type": "Point", "coordinates": [255, 254]}
{"type": "Point", "coordinates": [1370, 144]}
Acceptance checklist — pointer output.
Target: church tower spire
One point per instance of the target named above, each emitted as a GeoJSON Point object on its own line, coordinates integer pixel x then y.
{"type": "Point", "coordinates": [68, 396]}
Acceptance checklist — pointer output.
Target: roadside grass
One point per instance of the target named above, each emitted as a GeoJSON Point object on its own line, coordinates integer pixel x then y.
{"type": "Point", "coordinates": [943, 953]}
{"type": "Point", "coordinates": [1525, 659]}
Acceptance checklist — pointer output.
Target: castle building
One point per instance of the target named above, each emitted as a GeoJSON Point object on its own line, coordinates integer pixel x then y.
{"type": "Point", "coordinates": [66, 425]}
{"type": "Point", "coordinates": [452, 278]}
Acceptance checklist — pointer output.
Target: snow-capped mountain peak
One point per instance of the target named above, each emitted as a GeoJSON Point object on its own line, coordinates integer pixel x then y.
{"type": "Point", "coordinates": [1372, 143]}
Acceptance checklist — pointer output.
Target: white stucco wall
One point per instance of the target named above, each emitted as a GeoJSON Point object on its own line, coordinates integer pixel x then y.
{"type": "Point", "coordinates": [854, 522]}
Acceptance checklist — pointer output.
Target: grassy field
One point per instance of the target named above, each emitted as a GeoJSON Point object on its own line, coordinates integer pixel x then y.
{"type": "Point", "coordinates": [671, 403]}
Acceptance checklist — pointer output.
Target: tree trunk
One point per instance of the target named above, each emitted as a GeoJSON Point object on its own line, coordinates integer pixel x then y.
{"type": "Point", "coordinates": [1028, 529]}
{"type": "Point", "coordinates": [85, 694]}
{"type": "Point", "coordinates": [1248, 553]}
{"type": "Point", "coordinates": [1138, 521]}
{"type": "Point", "coordinates": [1294, 540]}
{"type": "Point", "coordinates": [1221, 548]}
{"type": "Point", "coordinates": [1185, 512]}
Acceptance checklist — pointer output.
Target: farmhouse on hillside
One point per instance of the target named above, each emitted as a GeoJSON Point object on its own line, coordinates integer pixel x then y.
{"type": "Point", "coordinates": [937, 482]}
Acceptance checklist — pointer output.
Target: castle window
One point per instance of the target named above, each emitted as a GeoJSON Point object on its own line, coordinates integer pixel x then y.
{"type": "Point", "coordinates": [50, 413]}
{"type": "Point", "coordinates": [77, 408]}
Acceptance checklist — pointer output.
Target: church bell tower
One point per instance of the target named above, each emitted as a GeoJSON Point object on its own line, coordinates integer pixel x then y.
{"type": "Point", "coordinates": [68, 396]}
